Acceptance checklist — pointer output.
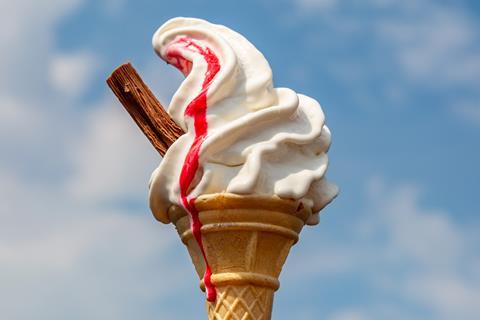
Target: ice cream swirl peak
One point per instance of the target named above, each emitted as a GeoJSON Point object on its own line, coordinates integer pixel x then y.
{"type": "Point", "coordinates": [247, 136]}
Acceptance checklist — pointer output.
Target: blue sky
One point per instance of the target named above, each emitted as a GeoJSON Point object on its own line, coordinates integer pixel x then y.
{"type": "Point", "coordinates": [398, 81]}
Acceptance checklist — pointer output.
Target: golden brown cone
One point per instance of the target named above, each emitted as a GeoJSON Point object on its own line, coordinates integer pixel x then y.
{"type": "Point", "coordinates": [246, 240]}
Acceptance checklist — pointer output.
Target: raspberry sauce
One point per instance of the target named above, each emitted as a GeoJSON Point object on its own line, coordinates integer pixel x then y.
{"type": "Point", "coordinates": [196, 109]}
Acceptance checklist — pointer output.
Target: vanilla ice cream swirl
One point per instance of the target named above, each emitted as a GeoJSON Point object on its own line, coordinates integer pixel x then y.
{"type": "Point", "coordinates": [242, 135]}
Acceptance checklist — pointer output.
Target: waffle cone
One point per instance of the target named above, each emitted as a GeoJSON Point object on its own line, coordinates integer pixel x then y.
{"type": "Point", "coordinates": [246, 240]}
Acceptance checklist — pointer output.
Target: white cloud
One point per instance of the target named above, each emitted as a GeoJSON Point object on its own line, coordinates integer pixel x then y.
{"type": "Point", "coordinates": [322, 5]}
{"type": "Point", "coordinates": [14, 111]}
{"type": "Point", "coordinates": [113, 7]}
{"type": "Point", "coordinates": [468, 111]}
{"type": "Point", "coordinates": [113, 160]}
{"type": "Point", "coordinates": [402, 249]}
{"type": "Point", "coordinates": [70, 256]}
{"type": "Point", "coordinates": [70, 74]}
{"type": "Point", "coordinates": [348, 315]}
{"type": "Point", "coordinates": [435, 44]}
{"type": "Point", "coordinates": [70, 262]}
{"type": "Point", "coordinates": [65, 254]}
{"type": "Point", "coordinates": [414, 230]}
{"type": "Point", "coordinates": [451, 295]}
{"type": "Point", "coordinates": [26, 42]}
{"type": "Point", "coordinates": [412, 47]}
{"type": "Point", "coordinates": [438, 253]}
{"type": "Point", "coordinates": [33, 113]}
{"type": "Point", "coordinates": [378, 311]}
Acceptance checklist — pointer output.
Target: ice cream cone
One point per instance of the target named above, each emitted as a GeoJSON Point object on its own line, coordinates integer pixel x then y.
{"type": "Point", "coordinates": [246, 241]}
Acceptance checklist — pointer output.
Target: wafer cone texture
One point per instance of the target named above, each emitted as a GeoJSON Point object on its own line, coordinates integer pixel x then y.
{"type": "Point", "coordinates": [247, 240]}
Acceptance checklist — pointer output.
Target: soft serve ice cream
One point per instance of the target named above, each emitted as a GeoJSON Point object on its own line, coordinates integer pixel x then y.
{"type": "Point", "coordinates": [243, 136]}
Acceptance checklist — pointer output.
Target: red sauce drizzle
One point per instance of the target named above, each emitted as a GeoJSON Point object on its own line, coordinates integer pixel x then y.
{"type": "Point", "coordinates": [197, 109]}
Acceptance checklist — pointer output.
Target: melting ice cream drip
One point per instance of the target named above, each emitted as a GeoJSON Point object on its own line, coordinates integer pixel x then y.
{"type": "Point", "coordinates": [197, 109]}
